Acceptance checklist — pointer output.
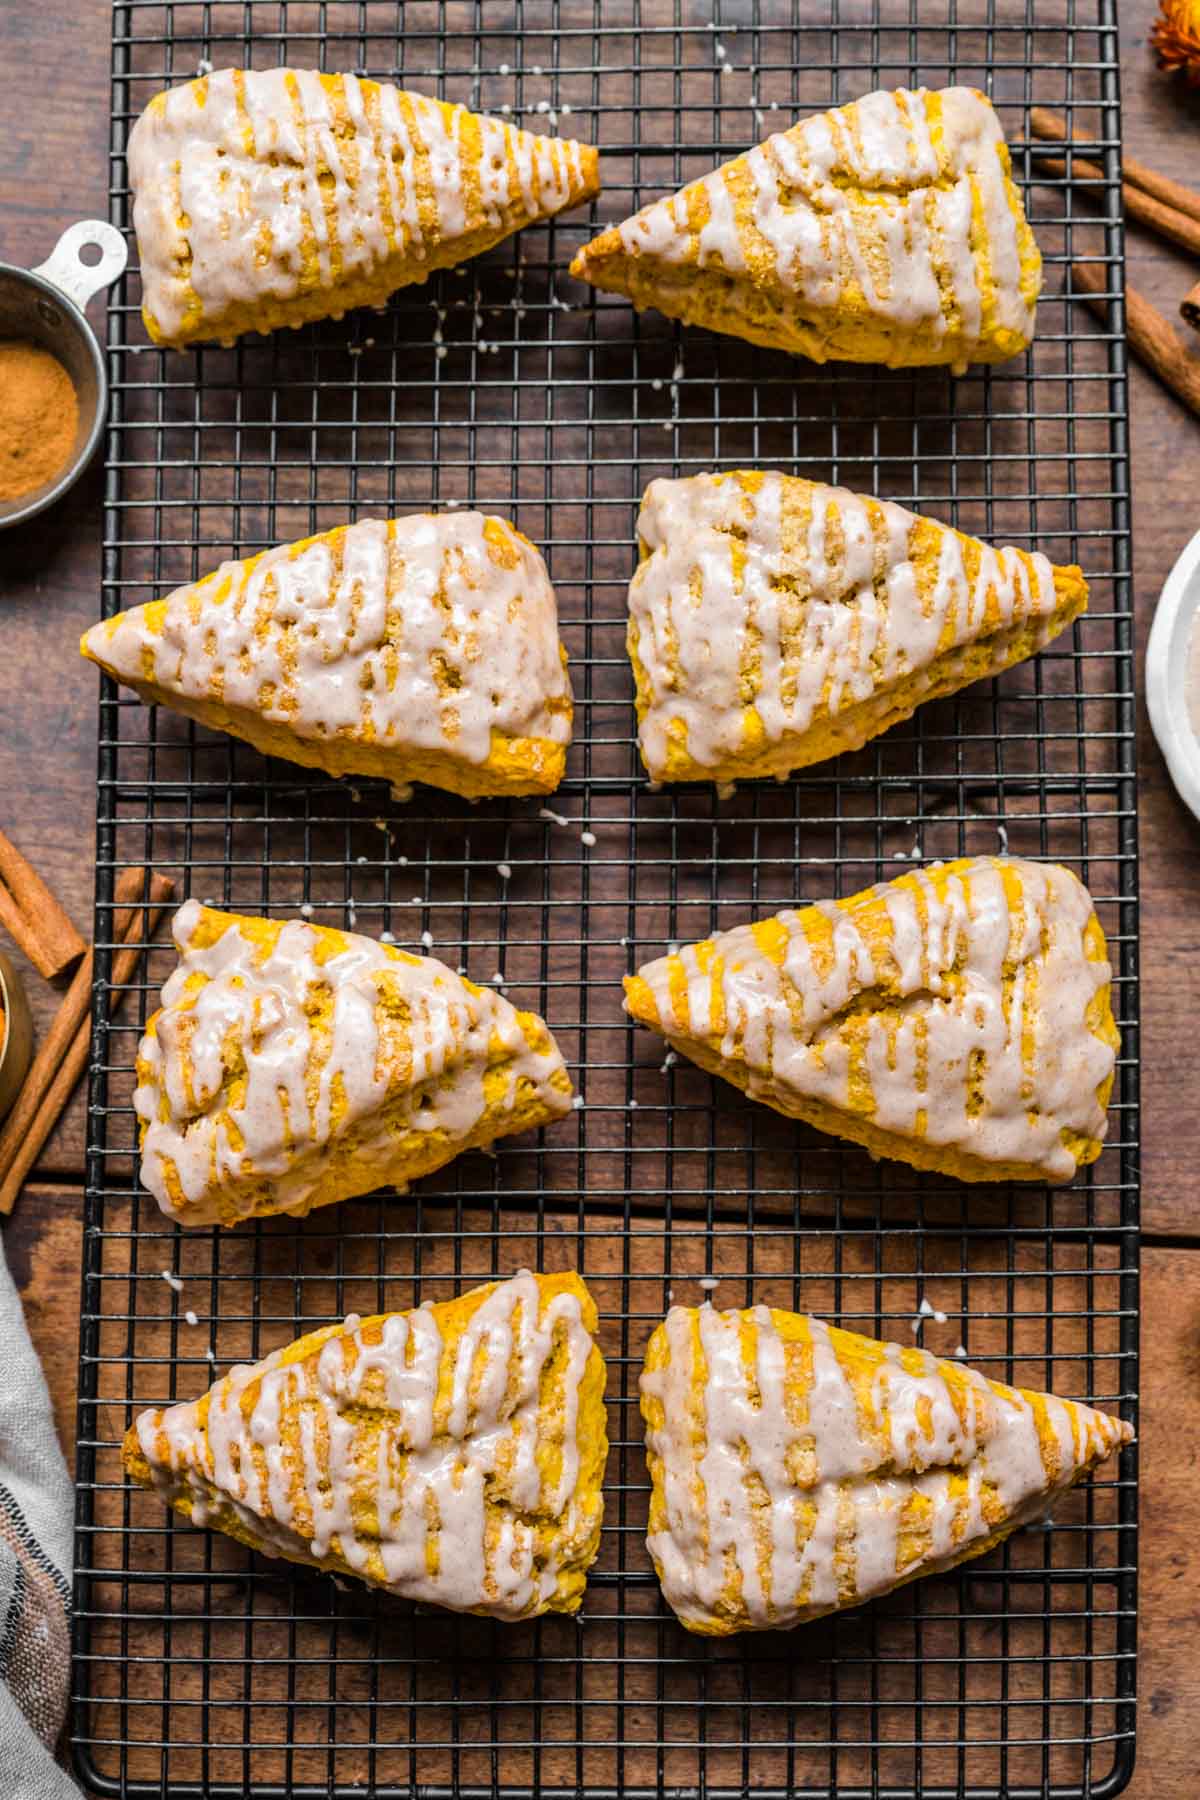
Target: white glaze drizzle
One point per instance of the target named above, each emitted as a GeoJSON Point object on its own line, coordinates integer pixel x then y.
{"type": "Point", "coordinates": [947, 1018]}
{"type": "Point", "coordinates": [429, 632]}
{"type": "Point", "coordinates": [738, 1465]}
{"type": "Point", "coordinates": [833, 620]}
{"type": "Point", "coordinates": [233, 1004]}
{"type": "Point", "coordinates": [256, 164]}
{"type": "Point", "coordinates": [914, 252]}
{"type": "Point", "coordinates": [369, 1433]}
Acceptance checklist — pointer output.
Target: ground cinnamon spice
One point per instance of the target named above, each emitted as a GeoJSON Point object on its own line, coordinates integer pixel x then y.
{"type": "Point", "coordinates": [39, 417]}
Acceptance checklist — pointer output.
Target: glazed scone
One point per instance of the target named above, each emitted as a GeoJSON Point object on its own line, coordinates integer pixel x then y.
{"type": "Point", "coordinates": [957, 1018]}
{"type": "Point", "coordinates": [886, 231]}
{"type": "Point", "coordinates": [417, 649]}
{"type": "Point", "coordinates": [453, 1454]}
{"type": "Point", "coordinates": [292, 1065]}
{"type": "Point", "coordinates": [798, 1469]}
{"type": "Point", "coordinates": [775, 622]}
{"type": "Point", "coordinates": [269, 197]}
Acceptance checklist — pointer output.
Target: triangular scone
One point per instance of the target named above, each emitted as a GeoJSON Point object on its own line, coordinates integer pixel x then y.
{"type": "Point", "coordinates": [453, 1454]}
{"type": "Point", "coordinates": [416, 649]}
{"type": "Point", "coordinates": [292, 1065]}
{"type": "Point", "coordinates": [957, 1019]}
{"type": "Point", "coordinates": [774, 622]}
{"type": "Point", "coordinates": [798, 1469]}
{"type": "Point", "coordinates": [886, 231]}
{"type": "Point", "coordinates": [268, 197]}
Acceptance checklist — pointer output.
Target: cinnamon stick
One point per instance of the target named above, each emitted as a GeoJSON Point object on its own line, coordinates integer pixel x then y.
{"type": "Point", "coordinates": [1189, 307]}
{"type": "Point", "coordinates": [30, 914]}
{"type": "Point", "coordinates": [63, 1056]}
{"type": "Point", "coordinates": [1153, 338]}
{"type": "Point", "coordinates": [1047, 124]}
{"type": "Point", "coordinates": [1167, 221]}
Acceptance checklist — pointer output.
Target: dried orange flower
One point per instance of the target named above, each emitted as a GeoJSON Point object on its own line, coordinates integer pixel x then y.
{"type": "Point", "coordinates": [1176, 37]}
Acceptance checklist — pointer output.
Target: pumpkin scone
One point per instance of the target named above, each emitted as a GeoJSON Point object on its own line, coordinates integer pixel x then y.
{"type": "Point", "coordinates": [886, 231]}
{"type": "Point", "coordinates": [269, 197]}
{"type": "Point", "coordinates": [424, 648]}
{"type": "Point", "coordinates": [453, 1454]}
{"type": "Point", "coordinates": [957, 1018]}
{"type": "Point", "coordinates": [798, 1469]}
{"type": "Point", "coordinates": [775, 622]}
{"type": "Point", "coordinates": [292, 1065]}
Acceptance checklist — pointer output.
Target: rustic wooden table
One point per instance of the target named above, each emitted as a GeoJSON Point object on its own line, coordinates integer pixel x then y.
{"type": "Point", "coordinates": [57, 171]}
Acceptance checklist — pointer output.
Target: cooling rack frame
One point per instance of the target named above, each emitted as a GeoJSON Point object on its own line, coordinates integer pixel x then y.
{"type": "Point", "coordinates": [201, 1670]}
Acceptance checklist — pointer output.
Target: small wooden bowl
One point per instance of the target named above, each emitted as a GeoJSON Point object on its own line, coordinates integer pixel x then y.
{"type": "Point", "coordinates": [17, 1048]}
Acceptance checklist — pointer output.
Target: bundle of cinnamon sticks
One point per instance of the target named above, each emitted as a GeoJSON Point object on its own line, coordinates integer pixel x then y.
{"type": "Point", "coordinates": [38, 923]}
{"type": "Point", "coordinates": [33, 917]}
{"type": "Point", "coordinates": [1170, 209]}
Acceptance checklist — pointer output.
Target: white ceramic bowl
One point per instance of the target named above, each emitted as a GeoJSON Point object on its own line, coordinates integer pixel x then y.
{"type": "Point", "coordinates": [1167, 656]}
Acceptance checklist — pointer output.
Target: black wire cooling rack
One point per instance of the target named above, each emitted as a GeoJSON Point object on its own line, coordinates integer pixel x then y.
{"type": "Point", "coordinates": [203, 1670]}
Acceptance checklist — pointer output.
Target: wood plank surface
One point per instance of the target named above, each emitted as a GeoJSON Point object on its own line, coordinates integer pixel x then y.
{"type": "Point", "coordinates": [1169, 1527]}
{"type": "Point", "coordinates": [1162, 128]}
{"type": "Point", "coordinates": [50, 569]}
{"type": "Point", "coordinates": [56, 171]}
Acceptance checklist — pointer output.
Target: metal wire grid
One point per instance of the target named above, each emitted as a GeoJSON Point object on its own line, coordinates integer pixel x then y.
{"type": "Point", "coordinates": [201, 1669]}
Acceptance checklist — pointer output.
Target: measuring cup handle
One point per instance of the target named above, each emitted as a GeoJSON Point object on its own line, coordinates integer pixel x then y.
{"type": "Point", "coordinates": [73, 277]}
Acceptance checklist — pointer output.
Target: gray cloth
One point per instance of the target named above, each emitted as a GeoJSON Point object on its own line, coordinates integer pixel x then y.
{"type": "Point", "coordinates": [36, 1515]}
